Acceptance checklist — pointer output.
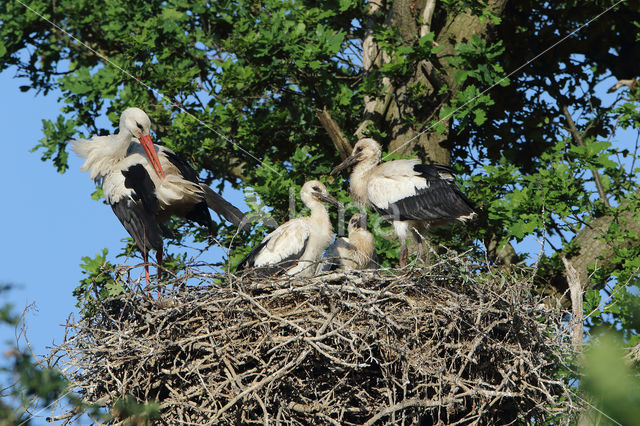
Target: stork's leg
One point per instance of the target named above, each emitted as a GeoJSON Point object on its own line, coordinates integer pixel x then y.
{"type": "Point", "coordinates": [404, 253]}
{"type": "Point", "coordinates": [421, 256]}
{"type": "Point", "coordinates": [145, 259]}
{"type": "Point", "coordinates": [402, 228]}
{"type": "Point", "coordinates": [420, 242]}
{"type": "Point", "coordinates": [159, 262]}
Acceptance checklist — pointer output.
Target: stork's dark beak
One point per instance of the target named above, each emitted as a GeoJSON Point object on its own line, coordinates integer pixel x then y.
{"type": "Point", "coordinates": [362, 222]}
{"type": "Point", "coordinates": [349, 161]}
{"type": "Point", "coordinates": [147, 144]}
{"type": "Point", "coordinates": [328, 198]}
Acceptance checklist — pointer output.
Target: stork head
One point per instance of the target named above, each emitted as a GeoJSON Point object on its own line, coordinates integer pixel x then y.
{"type": "Point", "coordinates": [357, 221]}
{"type": "Point", "coordinates": [137, 123]}
{"type": "Point", "coordinates": [315, 190]}
{"type": "Point", "coordinates": [365, 151]}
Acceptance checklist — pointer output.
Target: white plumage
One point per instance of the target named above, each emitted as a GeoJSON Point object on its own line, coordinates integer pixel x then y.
{"type": "Point", "coordinates": [146, 184]}
{"type": "Point", "coordinates": [357, 251]}
{"type": "Point", "coordinates": [295, 246]}
{"type": "Point", "coordinates": [410, 194]}
{"type": "Point", "coordinates": [107, 157]}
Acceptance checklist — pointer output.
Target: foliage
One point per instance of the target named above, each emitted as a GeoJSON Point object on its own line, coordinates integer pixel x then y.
{"type": "Point", "coordinates": [612, 385]}
{"type": "Point", "coordinates": [34, 383]}
{"type": "Point", "coordinates": [98, 285]}
{"type": "Point", "coordinates": [134, 412]}
{"type": "Point", "coordinates": [30, 382]}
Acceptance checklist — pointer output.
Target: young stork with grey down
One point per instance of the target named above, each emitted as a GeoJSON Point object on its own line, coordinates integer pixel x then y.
{"type": "Point", "coordinates": [295, 247]}
{"type": "Point", "coordinates": [357, 251]}
{"type": "Point", "coordinates": [146, 184]}
{"type": "Point", "coordinates": [412, 195]}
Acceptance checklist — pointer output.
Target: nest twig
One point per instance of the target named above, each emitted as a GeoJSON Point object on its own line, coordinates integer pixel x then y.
{"type": "Point", "coordinates": [442, 344]}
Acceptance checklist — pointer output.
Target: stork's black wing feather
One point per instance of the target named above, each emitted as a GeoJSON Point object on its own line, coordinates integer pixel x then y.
{"type": "Point", "coordinates": [200, 212]}
{"type": "Point", "coordinates": [185, 168]}
{"type": "Point", "coordinates": [137, 178]}
{"type": "Point", "coordinates": [440, 200]}
{"type": "Point", "coordinates": [137, 212]}
{"type": "Point", "coordinates": [224, 208]}
{"type": "Point", "coordinates": [249, 260]}
{"type": "Point", "coordinates": [212, 200]}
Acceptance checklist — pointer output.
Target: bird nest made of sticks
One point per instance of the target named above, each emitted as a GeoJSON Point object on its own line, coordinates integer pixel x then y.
{"type": "Point", "coordinates": [445, 344]}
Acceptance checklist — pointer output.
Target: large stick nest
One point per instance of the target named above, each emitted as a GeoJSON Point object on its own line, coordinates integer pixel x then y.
{"type": "Point", "coordinates": [444, 344]}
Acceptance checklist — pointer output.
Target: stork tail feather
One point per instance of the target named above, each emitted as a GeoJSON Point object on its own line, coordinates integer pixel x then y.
{"type": "Point", "coordinates": [225, 208]}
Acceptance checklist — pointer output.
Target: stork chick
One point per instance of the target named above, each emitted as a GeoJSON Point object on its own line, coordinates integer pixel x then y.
{"type": "Point", "coordinates": [147, 184]}
{"type": "Point", "coordinates": [295, 246]}
{"type": "Point", "coordinates": [357, 251]}
{"type": "Point", "coordinates": [413, 196]}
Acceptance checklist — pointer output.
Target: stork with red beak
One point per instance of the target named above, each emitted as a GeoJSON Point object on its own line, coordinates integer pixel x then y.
{"type": "Point", "coordinates": [147, 184]}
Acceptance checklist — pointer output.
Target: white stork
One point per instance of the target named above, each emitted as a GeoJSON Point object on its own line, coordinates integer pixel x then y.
{"type": "Point", "coordinates": [411, 195]}
{"type": "Point", "coordinates": [295, 246]}
{"type": "Point", "coordinates": [147, 184]}
{"type": "Point", "coordinates": [357, 251]}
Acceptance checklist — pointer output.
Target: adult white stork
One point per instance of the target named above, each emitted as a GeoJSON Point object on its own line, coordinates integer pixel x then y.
{"type": "Point", "coordinates": [147, 184]}
{"type": "Point", "coordinates": [295, 246]}
{"type": "Point", "coordinates": [411, 195]}
{"type": "Point", "coordinates": [357, 251]}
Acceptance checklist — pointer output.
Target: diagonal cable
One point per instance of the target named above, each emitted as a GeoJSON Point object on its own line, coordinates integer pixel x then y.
{"type": "Point", "coordinates": [136, 79]}
{"type": "Point", "coordinates": [506, 77]}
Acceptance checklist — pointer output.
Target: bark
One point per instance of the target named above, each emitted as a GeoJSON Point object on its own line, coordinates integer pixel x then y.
{"type": "Point", "coordinates": [340, 141]}
{"type": "Point", "coordinates": [388, 111]}
{"type": "Point", "coordinates": [460, 28]}
{"type": "Point", "coordinates": [575, 291]}
{"type": "Point", "coordinates": [595, 250]}
{"type": "Point", "coordinates": [372, 57]}
{"type": "Point", "coordinates": [405, 15]}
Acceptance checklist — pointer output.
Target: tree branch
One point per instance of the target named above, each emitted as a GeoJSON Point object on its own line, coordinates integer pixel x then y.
{"type": "Point", "coordinates": [575, 290]}
{"type": "Point", "coordinates": [336, 134]}
{"type": "Point", "coordinates": [577, 137]}
{"type": "Point", "coordinates": [593, 245]}
{"type": "Point", "coordinates": [372, 57]}
{"type": "Point", "coordinates": [427, 16]}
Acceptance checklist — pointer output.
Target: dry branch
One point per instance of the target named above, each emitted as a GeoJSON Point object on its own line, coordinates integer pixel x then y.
{"type": "Point", "coordinates": [576, 293]}
{"type": "Point", "coordinates": [340, 141]}
{"type": "Point", "coordinates": [443, 344]}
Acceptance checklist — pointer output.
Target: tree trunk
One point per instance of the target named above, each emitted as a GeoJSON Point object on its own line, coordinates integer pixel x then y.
{"type": "Point", "coordinates": [390, 110]}
{"type": "Point", "coordinates": [595, 250]}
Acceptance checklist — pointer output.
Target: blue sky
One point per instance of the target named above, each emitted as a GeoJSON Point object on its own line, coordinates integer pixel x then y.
{"type": "Point", "coordinates": [50, 221]}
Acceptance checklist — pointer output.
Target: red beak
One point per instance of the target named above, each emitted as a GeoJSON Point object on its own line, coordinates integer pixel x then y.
{"type": "Point", "coordinates": [147, 144]}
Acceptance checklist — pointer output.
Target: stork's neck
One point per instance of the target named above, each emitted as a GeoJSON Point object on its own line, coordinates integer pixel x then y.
{"type": "Point", "coordinates": [120, 145]}
{"type": "Point", "coordinates": [360, 178]}
{"type": "Point", "coordinates": [317, 208]}
{"type": "Point", "coordinates": [319, 215]}
{"type": "Point", "coordinates": [102, 153]}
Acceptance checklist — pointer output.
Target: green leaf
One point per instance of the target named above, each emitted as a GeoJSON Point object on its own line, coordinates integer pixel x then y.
{"type": "Point", "coordinates": [480, 116]}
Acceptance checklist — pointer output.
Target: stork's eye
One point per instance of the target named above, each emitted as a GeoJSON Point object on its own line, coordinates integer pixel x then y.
{"type": "Point", "coordinates": [358, 149]}
{"type": "Point", "coordinates": [139, 126]}
{"type": "Point", "coordinates": [316, 188]}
